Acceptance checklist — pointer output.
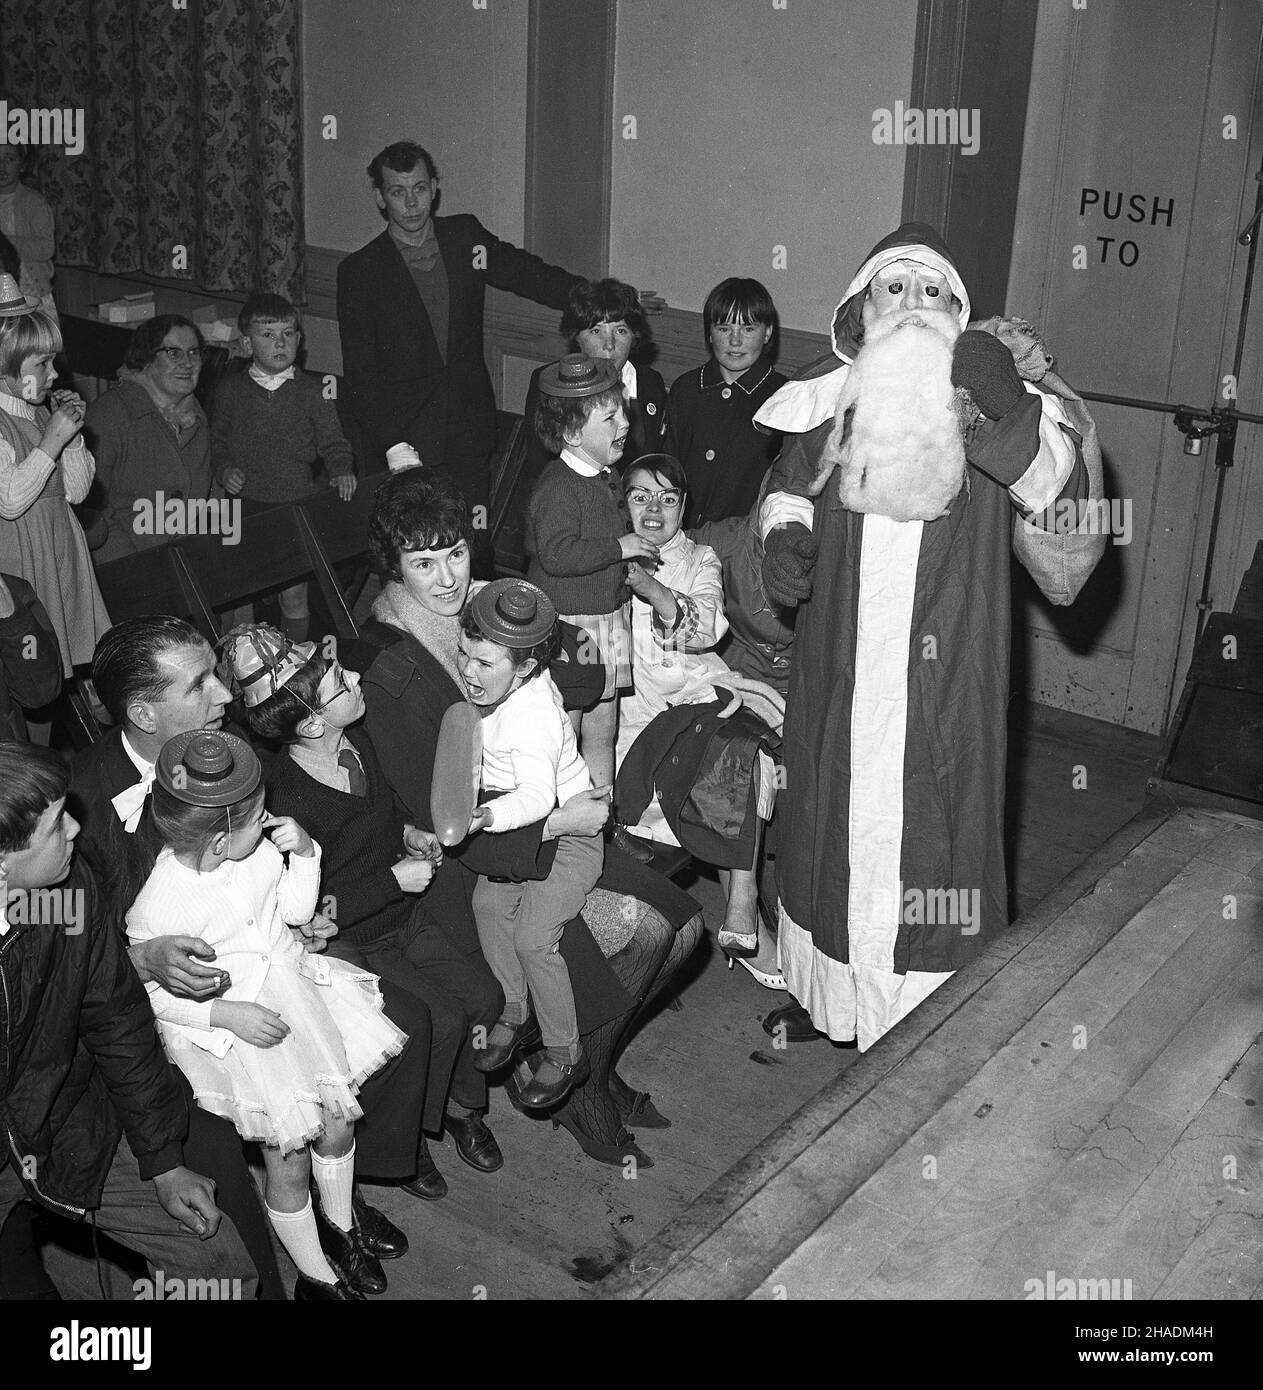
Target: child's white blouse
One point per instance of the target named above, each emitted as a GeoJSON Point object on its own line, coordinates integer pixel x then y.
{"type": "Point", "coordinates": [243, 909]}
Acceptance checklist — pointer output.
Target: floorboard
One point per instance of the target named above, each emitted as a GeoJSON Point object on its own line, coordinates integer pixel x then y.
{"type": "Point", "coordinates": [1095, 1133]}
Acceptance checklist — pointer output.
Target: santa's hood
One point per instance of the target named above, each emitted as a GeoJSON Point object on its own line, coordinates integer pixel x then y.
{"type": "Point", "coordinates": [914, 241]}
{"type": "Point", "coordinates": [809, 399]}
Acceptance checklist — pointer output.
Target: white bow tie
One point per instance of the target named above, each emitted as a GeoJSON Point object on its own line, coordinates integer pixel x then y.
{"type": "Point", "coordinates": [130, 802]}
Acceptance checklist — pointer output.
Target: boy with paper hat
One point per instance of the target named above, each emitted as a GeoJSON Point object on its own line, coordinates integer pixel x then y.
{"type": "Point", "coordinates": [530, 765]}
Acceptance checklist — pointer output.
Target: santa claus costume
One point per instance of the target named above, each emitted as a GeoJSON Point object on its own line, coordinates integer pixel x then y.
{"type": "Point", "coordinates": [890, 867]}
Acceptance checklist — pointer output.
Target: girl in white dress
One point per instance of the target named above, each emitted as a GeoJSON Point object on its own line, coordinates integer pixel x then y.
{"type": "Point", "coordinates": [284, 1050]}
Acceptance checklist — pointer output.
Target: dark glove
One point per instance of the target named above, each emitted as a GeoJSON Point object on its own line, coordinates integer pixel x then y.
{"type": "Point", "coordinates": [984, 366]}
{"type": "Point", "coordinates": [789, 556]}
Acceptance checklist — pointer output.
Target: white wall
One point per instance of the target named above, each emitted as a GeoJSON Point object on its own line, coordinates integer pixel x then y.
{"type": "Point", "coordinates": [754, 129]}
{"type": "Point", "coordinates": [445, 74]}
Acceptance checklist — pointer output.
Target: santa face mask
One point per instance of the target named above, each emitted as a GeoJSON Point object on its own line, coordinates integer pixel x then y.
{"type": "Point", "coordinates": [897, 439]}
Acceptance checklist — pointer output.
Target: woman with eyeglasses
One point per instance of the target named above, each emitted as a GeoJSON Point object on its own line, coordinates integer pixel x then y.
{"type": "Point", "coordinates": [150, 436]}
{"type": "Point", "coordinates": [695, 739]}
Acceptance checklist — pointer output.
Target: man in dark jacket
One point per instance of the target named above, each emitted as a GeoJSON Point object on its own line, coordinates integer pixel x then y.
{"type": "Point", "coordinates": [81, 1065]}
{"type": "Point", "coordinates": [410, 309]}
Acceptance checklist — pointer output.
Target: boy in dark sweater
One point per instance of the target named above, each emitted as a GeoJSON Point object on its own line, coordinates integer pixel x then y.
{"type": "Point", "coordinates": [271, 425]}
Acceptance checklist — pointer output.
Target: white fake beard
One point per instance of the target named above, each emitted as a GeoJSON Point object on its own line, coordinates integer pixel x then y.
{"type": "Point", "coordinates": [897, 432]}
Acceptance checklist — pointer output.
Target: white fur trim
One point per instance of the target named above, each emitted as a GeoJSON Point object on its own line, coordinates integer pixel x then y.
{"type": "Point", "coordinates": [848, 1002]}
{"type": "Point", "coordinates": [800, 406]}
{"type": "Point", "coordinates": [783, 508]}
{"type": "Point", "coordinates": [1041, 484]}
{"type": "Point", "coordinates": [879, 714]}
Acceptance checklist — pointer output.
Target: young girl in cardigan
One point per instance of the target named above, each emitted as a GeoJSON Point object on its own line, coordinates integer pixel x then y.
{"type": "Point", "coordinates": [283, 1052]}
{"type": "Point", "coordinates": [44, 467]}
{"type": "Point", "coordinates": [579, 537]}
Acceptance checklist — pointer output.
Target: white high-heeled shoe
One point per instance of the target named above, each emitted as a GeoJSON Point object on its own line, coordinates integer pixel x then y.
{"type": "Point", "coordinates": [776, 981]}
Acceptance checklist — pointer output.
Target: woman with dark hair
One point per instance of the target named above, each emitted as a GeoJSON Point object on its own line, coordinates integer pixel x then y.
{"type": "Point", "coordinates": [637, 927]}
{"type": "Point", "coordinates": [149, 434]}
{"type": "Point", "coordinates": [604, 319]}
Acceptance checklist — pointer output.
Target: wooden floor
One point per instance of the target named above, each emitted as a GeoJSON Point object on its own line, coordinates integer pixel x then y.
{"type": "Point", "coordinates": [1083, 1101]}
{"type": "Point", "coordinates": [553, 1222]}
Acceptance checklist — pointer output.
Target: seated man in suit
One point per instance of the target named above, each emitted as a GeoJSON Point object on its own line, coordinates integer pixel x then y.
{"type": "Point", "coordinates": [156, 677]}
{"type": "Point", "coordinates": [410, 307]}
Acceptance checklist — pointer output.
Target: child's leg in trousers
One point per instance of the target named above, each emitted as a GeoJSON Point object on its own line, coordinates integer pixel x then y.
{"type": "Point", "coordinates": [289, 1208]}
{"type": "Point", "coordinates": [546, 908]}
{"type": "Point", "coordinates": [496, 908]}
{"type": "Point", "coordinates": [295, 613]}
{"type": "Point", "coordinates": [596, 743]}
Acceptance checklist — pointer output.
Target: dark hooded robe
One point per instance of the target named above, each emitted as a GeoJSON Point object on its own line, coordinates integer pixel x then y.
{"type": "Point", "coordinates": [890, 866]}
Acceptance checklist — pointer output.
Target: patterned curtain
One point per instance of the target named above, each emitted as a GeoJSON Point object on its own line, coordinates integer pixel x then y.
{"type": "Point", "coordinates": [192, 162]}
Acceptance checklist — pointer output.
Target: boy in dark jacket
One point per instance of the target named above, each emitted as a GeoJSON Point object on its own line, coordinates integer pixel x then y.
{"type": "Point", "coordinates": [82, 1068]}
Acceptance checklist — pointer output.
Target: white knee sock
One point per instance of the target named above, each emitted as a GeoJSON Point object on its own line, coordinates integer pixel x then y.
{"type": "Point", "coordinates": [296, 1231]}
{"type": "Point", "coordinates": [334, 1178]}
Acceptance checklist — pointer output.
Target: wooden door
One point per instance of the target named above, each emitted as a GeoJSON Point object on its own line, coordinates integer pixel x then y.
{"type": "Point", "coordinates": [1141, 144]}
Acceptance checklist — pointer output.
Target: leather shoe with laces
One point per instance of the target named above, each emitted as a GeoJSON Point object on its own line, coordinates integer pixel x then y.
{"type": "Point", "coordinates": [475, 1142]}
{"type": "Point", "coordinates": [347, 1254]}
{"type": "Point", "coordinates": [380, 1235]}
{"type": "Point", "coordinates": [429, 1184]}
{"type": "Point", "coordinates": [317, 1291]}
{"type": "Point", "coordinates": [630, 845]}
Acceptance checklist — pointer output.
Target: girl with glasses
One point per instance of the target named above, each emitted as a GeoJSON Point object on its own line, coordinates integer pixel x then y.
{"type": "Point", "coordinates": [677, 620]}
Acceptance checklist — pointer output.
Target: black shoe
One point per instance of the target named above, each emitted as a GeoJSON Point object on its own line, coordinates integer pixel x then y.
{"type": "Point", "coordinates": [497, 1055]}
{"type": "Point", "coordinates": [380, 1235]}
{"type": "Point", "coordinates": [347, 1254]}
{"type": "Point", "coordinates": [475, 1142]}
{"type": "Point", "coordinates": [632, 847]}
{"type": "Point", "coordinates": [559, 1079]}
{"type": "Point", "coordinates": [638, 1111]}
{"type": "Point", "coordinates": [791, 1022]}
{"type": "Point", "coordinates": [317, 1291]}
{"type": "Point", "coordinates": [429, 1184]}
